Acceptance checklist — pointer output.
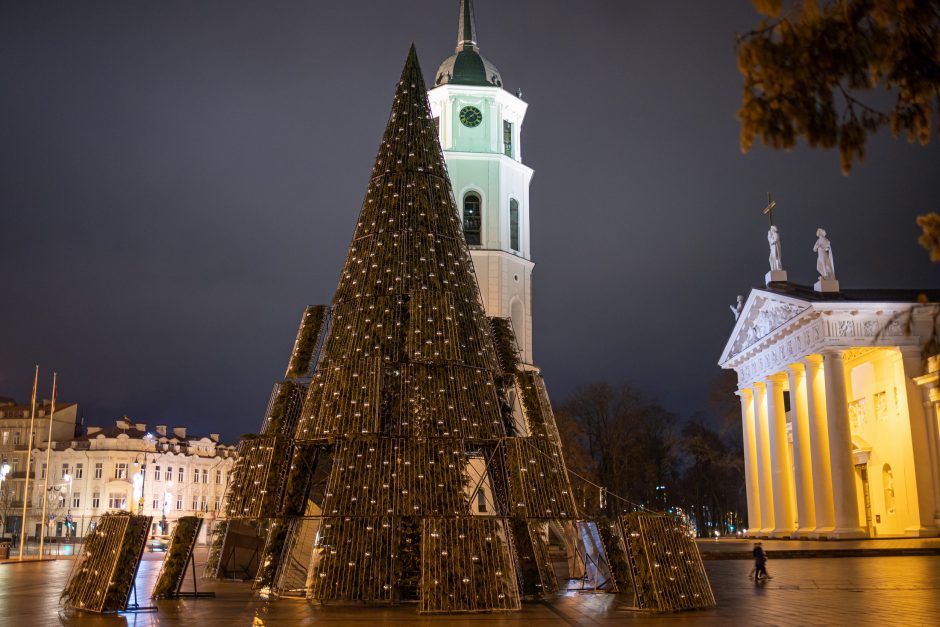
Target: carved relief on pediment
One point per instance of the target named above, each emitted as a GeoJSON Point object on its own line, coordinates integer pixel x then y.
{"type": "Point", "coordinates": [764, 317]}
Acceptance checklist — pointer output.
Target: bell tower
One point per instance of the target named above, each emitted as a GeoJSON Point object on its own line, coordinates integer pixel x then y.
{"type": "Point", "coordinates": [479, 126]}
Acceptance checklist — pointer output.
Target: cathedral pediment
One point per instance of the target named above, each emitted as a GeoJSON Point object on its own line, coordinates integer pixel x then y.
{"type": "Point", "coordinates": [762, 315]}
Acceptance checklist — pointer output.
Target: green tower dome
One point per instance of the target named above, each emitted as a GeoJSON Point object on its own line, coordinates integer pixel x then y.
{"type": "Point", "coordinates": [467, 66]}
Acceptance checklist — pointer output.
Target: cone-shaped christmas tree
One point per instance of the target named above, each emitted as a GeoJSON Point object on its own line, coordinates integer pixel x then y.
{"type": "Point", "coordinates": [423, 462]}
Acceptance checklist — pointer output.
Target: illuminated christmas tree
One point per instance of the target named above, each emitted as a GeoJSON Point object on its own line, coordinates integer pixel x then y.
{"type": "Point", "coordinates": [423, 462]}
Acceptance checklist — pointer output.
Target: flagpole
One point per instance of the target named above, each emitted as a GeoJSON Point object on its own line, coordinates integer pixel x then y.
{"type": "Point", "coordinates": [45, 490]}
{"type": "Point", "coordinates": [29, 456]}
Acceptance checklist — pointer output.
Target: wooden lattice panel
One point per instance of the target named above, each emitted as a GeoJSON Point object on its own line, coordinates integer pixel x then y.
{"type": "Point", "coordinates": [353, 561]}
{"type": "Point", "coordinates": [349, 401]}
{"type": "Point", "coordinates": [283, 410]}
{"type": "Point", "coordinates": [104, 573]}
{"type": "Point", "coordinates": [614, 546]}
{"type": "Point", "coordinates": [538, 482]}
{"type": "Point", "coordinates": [302, 361]}
{"type": "Point", "coordinates": [466, 566]}
{"type": "Point", "coordinates": [258, 479]}
{"type": "Point", "coordinates": [397, 476]}
{"type": "Point", "coordinates": [540, 419]}
{"type": "Point", "coordinates": [432, 335]}
{"type": "Point", "coordinates": [296, 557]}
{"type": "Point", "coordinates": [668, 573]}
{"type": "Point", "coordinates": [362, 328]}
{"type": "Point", "coordinates": [535, 566]}
{"type": "Point", "coordinates": [443, 401]}
{"type": "Point", "coordinates": [178, 553]}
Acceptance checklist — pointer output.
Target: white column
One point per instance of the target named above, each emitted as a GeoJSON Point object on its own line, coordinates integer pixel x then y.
{"type": "Point", "coordinates": [784, 514]}
{"type": "Point", "coordinates": [750, 460]}
{"type": "Point", "coordinates": [802, 459]}
{"type": "Point", "coordinates": [923, 439]}
{"type": "Point", "coordinates": [764, 476]}
{"type": "Point", "coordinates": [819, 446]}
{"type": "Point", "coordinates": [930, 386]}
{"type": "Point", "coordinates": [844, 497]}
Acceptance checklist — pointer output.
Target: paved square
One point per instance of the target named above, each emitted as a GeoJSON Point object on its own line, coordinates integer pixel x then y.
{"type": "Point", "coordinates": [837, 591]}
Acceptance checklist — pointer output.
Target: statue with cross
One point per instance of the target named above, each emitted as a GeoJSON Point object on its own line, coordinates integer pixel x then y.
{"type": "Point", "coordinates": [773, 237]}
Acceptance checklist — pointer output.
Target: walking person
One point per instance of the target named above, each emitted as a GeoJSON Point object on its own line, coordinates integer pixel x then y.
{"type": "Point", "coordinates": [760, 563]}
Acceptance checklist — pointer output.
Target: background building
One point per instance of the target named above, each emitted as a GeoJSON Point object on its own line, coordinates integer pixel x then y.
{"type": "Point", "coordinates": [163, 473]}
{"type": "Point", "coordinates": [15, 441]}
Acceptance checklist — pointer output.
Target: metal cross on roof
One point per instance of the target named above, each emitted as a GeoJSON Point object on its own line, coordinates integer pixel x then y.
{"type": "Point", "coordinates": [769, 209]}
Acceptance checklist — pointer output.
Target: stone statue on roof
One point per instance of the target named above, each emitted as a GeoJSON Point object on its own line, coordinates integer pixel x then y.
{"type": "Point", "coordinates": [824, 262]}
{"type": "Point", "coordinates": [737, 308]}
{"type": "Point", "coordinates": [773, 238]}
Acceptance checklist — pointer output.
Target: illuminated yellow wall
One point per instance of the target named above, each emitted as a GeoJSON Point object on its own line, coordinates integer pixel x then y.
{"type": "Point", "coordinates": [879, 420]}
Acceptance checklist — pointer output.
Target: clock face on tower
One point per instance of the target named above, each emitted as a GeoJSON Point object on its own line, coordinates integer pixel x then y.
{"type": "Point", "coordinates": [470, 117]}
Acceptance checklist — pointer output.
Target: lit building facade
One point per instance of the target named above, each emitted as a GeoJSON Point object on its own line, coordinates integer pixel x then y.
{"type": "Point", "coordinates": [480, 128]}
{"type": "Point", "coordinates": [15, 443]}
{"type": "Point", "coordinates": [163, 473]}
{"type": "Point", "coordinates": [840, 436]}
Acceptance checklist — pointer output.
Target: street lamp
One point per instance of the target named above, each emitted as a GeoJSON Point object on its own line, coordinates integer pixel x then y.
{"type": "Point", "coordinates": [56, 495]}
{"type": "Point", "coordinates": [143, 475]}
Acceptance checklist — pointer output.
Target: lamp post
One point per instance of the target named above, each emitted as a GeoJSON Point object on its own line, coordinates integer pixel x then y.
{"type": "Point", "coordinates": [66, 489]}
{"type": "Point", "coordinates": [143, 476]}
{"type": "Point", "coordinates": [56, 496]}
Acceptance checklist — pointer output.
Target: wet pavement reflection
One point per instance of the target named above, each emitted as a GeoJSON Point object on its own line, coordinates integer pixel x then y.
{"type": "Point", "coordinates": [858, 591]}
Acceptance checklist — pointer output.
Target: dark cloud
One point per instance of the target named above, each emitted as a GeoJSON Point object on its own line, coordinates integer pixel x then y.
{"type": "Point", "coordinates": [178, 180]}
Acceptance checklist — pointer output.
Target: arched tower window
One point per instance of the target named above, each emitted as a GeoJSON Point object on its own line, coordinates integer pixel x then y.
{"type": "Point", "coordinates": [514, 224]}
{"type": "Point", "coordinates": [471, 219]}
{"type": "Point", "coordinates": [887, 481]}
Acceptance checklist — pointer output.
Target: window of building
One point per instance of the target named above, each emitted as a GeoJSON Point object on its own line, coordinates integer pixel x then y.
{"type": "Point", "coordinates": [887, 480]}
{"type": "Point", "coordinates": [156, 473]}
{"type": "Point", "coordinates": [481, 500]}
{"type": "Point", "coordinates": [76, 499]}
{"type": "Point", "coordinates": [218, 477]}
{"type": "Point", "coordinates": [195, 503]}
{"type": "Point", "coordinates": [6, 437]}
{"type": "Point", "coordinates": [116, 500]}
{"type": "Point", "coordinates": [43, 475]}
{"type": "Point", "coordinates": [156, 501]}
{"type": "Point", "coordinates": [169, 473]}
{"type": "Point", "coordinates": [514, 224]}
{"type": "Point", "coordinates": [218, 503]}
{"type": "Point", "coordinates": [95, 500]}
{"type": "Point", "coordinates": [182, 475]}
{"type": "Point", "coordinates": [79, 471]}
{"type": "Point", "coordinates": [16, 438]}
{"type": "Point", "coordinates": [471, 219]}
{"type": "Point", "coordinates": [65, 470]}
{"type": "Point", "coordinates": [195, 475]}
{"type": "Point", "coordinates": [98, 471]}
{"type": "Point", "coordinates": [179, 503]}
{"type": "Point", "coordinates": [507, 138]}
{"type": "Point", "coordinates": [205, 502]}
{"type": "Point", "coordinates": [205, 475]}
{"type": "Point", "coordinates": [120, 470]}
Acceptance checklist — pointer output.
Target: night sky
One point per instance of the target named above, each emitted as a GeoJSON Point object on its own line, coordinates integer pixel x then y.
{"type": "Point", "coordinates": [178, 180]}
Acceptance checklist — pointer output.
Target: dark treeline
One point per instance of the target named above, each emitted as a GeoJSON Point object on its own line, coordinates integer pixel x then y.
{"type": "Point", "coordinates": [644, 456]}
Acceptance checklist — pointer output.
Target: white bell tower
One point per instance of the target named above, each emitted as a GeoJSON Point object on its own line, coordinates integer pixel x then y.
{"type": "Point", "coordinates": [479, 126]}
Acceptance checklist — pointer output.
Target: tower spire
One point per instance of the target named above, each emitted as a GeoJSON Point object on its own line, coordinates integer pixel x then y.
{"type": "Point", "coordinates": [466, 28]}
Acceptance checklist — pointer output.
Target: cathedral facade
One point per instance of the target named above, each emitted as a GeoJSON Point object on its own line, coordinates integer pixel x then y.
{"type": "Point", "coordinates": [840, 435]}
